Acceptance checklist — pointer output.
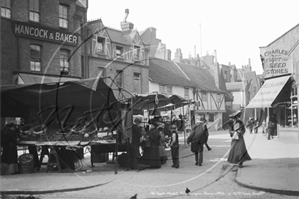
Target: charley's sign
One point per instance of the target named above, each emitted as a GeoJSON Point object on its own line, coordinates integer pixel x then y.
{"type": "Point", "coordinates": [276, 62]}
{"type": "Point", "coordinates": [44, 33]}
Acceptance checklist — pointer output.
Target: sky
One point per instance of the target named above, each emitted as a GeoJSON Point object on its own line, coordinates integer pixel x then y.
{"type": "Point", "coordinates": [234, 28]}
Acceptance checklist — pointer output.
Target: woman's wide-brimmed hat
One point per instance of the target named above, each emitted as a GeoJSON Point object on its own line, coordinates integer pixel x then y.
{"type": "Point", "coordinates": [236, 114]}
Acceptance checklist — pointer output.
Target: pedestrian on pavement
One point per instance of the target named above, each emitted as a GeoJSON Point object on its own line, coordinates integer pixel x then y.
{"type": "Point", "coordinates": [9, 157]}
{"type": "Point", "coordinates": [271, 126]}
{"type": "Point", "coordinates": [238, 153]}
{"type": "Point", "coordinates": [134, 152]}
{"type": "Point", "coordinates": [250, 124]}
{"type": "Point", "coordinates": [174, 146]}
{"type": "Point", "coordinates": [198, 137]}
{"type": "Point", "coordinates": [263, 126]}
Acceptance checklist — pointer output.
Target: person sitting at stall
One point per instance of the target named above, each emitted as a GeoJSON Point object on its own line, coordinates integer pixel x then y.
{"type": "Point", "coordinates": [133, 152]}
{"type": "Point", "coordinates": [9, 157]}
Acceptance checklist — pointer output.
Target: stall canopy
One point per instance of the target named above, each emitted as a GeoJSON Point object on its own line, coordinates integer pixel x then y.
{"type": "Point", "coordinates": [79, 97]}
{"type": "Point", "coordinates": [268, 92]}
{"type": "Point", "coordinates": [155, 100]}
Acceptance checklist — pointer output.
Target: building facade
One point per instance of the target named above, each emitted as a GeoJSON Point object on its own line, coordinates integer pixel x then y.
{"type": "Point", "coordinates": [192, 83]}
{"type": "Point", "coordinates": [40, 39]}
{"type": "Point", "coordinates": [119, 56]}
{"type": "Point", "coordinates": [279, 94]}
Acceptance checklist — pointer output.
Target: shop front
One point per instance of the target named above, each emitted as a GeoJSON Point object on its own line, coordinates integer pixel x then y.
{"type": "Point", "coordinates": [278, 95]}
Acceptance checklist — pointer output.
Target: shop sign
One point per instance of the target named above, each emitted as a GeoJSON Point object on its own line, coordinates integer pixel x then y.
{"type": "Point", "coordinates": [276, 62]}
{"type": "Point", "coordinates": [44, 33]}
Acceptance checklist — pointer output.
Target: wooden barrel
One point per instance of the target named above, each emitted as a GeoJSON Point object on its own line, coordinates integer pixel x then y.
{"type": "Point", "coordinates": [26, 163]}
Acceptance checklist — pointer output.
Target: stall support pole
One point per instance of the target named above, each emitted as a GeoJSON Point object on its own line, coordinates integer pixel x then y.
{"type": "Point", "coordinates": [184, 136]}
{"type": "Point", "coordinates": [116, 153]}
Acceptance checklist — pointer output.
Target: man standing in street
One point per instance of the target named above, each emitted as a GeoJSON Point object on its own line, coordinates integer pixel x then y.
{"type": "Point", "coordinates": [135, 144]}
{"type": "Point", "coordinates": [174, 146]}
{"type": "Point", "coordinates": [198, 138]}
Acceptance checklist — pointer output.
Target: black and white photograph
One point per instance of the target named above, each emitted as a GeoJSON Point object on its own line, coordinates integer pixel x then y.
{"type": "Point", "coordinates": [131, 99]}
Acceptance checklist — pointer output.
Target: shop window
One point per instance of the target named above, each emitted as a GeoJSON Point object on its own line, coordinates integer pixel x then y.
{"type": "Point", "coordinates": [119, 78]}
{"type": "Point", "coordinates": [137, 82]}
{"type": "Point", "coordinates": [64, 64]}
{"type": "Point", "coordinates": [204, 96]}
{"type": "Point", "coordinates": [34, 10]}
{"type": "Point", "coordinates": [211, 117]}
{"type": "Point", "coordinates": [136, 53]}
{"type": "Point", "coordinates": [63, 16]}
{"type": "Point", "coordinates": [186, 93]}
{"type": "Point", "coordinates": [35, 58]}
{"type": "Point", "coordinates": [5, 9]}
{"type": "Point", "coordinates": [119, 51]}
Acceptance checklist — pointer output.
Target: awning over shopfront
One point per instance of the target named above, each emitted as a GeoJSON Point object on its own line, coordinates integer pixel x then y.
{"type": "Point", "coordinates": [268, 92]}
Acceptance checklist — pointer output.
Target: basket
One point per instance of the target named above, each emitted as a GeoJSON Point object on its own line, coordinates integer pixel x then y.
{"type": "Point", "coordinates": [26, 163]}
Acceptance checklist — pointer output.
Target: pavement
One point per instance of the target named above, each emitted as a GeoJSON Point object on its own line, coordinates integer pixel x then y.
{"type": "Point", "coordinates": [274, 168]}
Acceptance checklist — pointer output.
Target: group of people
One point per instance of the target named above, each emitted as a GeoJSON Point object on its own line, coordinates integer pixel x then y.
{"type": "Point", "coordinates": [152, 143]}
{"type": "Point", "coordinates": [269, 127]}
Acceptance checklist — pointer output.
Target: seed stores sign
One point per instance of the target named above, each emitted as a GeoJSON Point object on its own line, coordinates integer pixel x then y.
{"type": "Point", "coordinates": [44, 33]}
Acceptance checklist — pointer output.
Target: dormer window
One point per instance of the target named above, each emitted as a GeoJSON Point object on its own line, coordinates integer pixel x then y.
{"type": "Point", "coordinates": [136, 53]}
{"type": "Point", "coordinates": [100, 44]}
{"type": "Point", "coordinates": [119, 51]}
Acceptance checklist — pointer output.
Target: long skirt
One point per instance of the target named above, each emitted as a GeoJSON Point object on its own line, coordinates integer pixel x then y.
{"type": "Point", "coordinates": [238, 152]}
{"type": "Point", "coordinates": [154, 157]}
{"type": "Point", "coordinates": [9, 160]}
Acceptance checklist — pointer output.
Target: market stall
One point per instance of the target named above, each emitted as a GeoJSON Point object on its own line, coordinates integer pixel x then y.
{"type": "Point", "coordinates": [73, 114]}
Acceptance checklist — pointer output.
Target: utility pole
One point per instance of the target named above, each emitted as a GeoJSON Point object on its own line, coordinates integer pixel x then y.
{"type": "Point", "coordinates": [200, 42]}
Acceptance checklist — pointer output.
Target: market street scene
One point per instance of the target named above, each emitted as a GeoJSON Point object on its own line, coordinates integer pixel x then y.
{"type": "Point", "coordinates": [131, 100]}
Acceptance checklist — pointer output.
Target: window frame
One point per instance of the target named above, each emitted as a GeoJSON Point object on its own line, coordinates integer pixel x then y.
{"type": "Point", "coordinates": [121, 49]}
{"type": "Point", "coordinates": [186, 93]}
{"type": "Point", "coordinates": [169, 89]}
{"type": "Point", "coordinates": [136, 52]}
{"type": "Point", "coordinates": [102, 44]}
{"type": "Point", "coordinates": [63, 18]}
{"type": "Point", "coordinates": [35, 60]}
{"type": "Point", "coordinates": [34, 10]}
{"type": "Point", "coordinates": [6, 7]}
{"type": "Point", "coordinates": [64, 69]}
{"type": "Point", "coordinates": [204, 96]}
{"type": "Point", "coordinates": [211, 117]}
{"type": "Point", "coordinates": [162, 89]}
{"type": "Point", "coordinates": [135, 78]}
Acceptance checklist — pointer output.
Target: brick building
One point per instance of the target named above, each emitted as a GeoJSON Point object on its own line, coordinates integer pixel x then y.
{"type": "Point", "coordinates": [38, 38]}
{"type": "Point", "coordinates": [119, 55]}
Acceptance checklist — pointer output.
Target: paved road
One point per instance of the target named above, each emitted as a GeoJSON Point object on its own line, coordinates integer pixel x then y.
{"type": "Point", "coordinates": [215, 179]}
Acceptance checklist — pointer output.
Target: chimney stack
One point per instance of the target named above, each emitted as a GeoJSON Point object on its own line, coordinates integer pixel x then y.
{"type": "Point", "coordinates": [178, 55]}
{"type": "Point", "coordinates": [195, 51]}
{"type": "Point", "coordinates": [126, 26]}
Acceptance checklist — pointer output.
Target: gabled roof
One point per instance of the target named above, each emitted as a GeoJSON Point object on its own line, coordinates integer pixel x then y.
{"type": "Point", "coordinates": [167, 73]}
{"type": "Point", "coordinates": [201, 77]}
{"type": "Point", "coordinates": [117, 36]}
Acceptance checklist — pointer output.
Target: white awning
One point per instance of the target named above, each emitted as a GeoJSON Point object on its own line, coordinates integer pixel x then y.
{"type": "Point", "coordinates": [268, 92]}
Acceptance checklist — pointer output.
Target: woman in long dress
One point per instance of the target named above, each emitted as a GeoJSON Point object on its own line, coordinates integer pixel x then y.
{"type": "Point", "coordinates": [9, 157]}
{"type": "Point", "coordinates": [238, 153]}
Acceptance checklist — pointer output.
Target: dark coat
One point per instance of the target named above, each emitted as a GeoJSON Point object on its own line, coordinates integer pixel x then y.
{"type": "Point", "coordinates": [198, 137]}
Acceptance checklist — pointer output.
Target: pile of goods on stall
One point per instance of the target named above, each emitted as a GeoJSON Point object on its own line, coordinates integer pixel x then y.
{"type": "Point", "coordinates": [72, 133]}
